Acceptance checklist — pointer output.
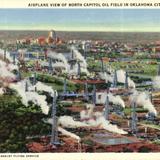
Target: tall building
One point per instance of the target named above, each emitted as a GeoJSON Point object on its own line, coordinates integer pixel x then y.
{"type": "Point", "coordinates": [52, 37]}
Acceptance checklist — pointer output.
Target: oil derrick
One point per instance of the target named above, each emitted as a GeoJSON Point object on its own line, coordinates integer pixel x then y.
{"type": "Point", "coordinates": [22, 61]}
{"type": "Point", "coordinates": [34, 78]}
{"type": "Point", "coordinates": [37, 65]}
{"type": "Point", "coordinates": [79, 147]}
{"type": "Point", "coordinates": [94, 95]}
{"type": "Point", "coordinates": [158, 72]}
{"type": "Point", "coordinates": [37, 56]}
{"type": "Point", "coordinates": [151, 97]}
{"type": "Point", "coordinates": [79, 69]}
{"type": "Point", "coordinates": [50, 68]}
{"type": "Point", "coordinates": [133, 118]}
{"type": "Point", "coordinates": [54, 135]}
{"type": "Point", "coordinates": [86, 91]}
{"type": "Point", "coordinates": [115, 79]}
{"type": "Point", "coordinates": [72, 54]}
{"type": "Point", "coordinates": [106, 112]}
{"type": "Point", "coordinates": [126, 81]}
{"type": "Point", "coordinates": [102, 65]}
{"type": "Point", "coordinates": [84, 49]}
{"type": "Point", "coordinates": [18, 75]}
{"type": "Point", "coordinates": [72, 58]}
{"type": "Point", "coordinates": [45, 53]}
{"type": "Point", "coordinates": [17, 46]}
{"type": "Point", "coordinates": [4, 56]}
{"type": "Point", "coordinates": [26, 86]}
{"type": "Point", "coordinates": [14, 58]}
{"type": "Point", "coordinates": [65, 86]}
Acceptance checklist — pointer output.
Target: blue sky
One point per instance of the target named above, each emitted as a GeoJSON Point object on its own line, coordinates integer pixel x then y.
{"type": "Point", "coordinates": [81, 19]}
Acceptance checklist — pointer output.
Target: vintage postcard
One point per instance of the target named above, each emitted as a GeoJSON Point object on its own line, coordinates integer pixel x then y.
{"type": "Point", "coordinates": [81, 78]}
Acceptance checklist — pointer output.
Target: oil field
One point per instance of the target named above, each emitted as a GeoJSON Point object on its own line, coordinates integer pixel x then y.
{"type": "Point", "coordinates": [78, 95]}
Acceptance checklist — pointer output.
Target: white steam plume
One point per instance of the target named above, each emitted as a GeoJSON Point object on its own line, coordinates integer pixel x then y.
{"type": "Point", "coordinates": [106, 77]}
{"type": "Point", "coordinates": [69, 122]}
{"type": "Point", "coordinates": [97, 119]}
{"type": "Point", "coordinates": [80, 58]}
{"type": "Point", "coordinates": [12, 67]}
{"type": "Point", "coordinates": [142, 99]}
{"type": "Point", "coordinates": [117, 100]}
{"type": "Point", "coordinates": [34, 97]}
{"type": "Point", "coordinates": [90, 118]}
{"type": "Point", "coordinates": [62, 60]}
{"type": "Point", "coordinates": [65, 132]}
{"type": "Point", "coordinates": [59, 65]}
{"type": "Point", "coordinates": [121, 78]}
{"type": "Point", "coordinates": [102, 123]}
{"type": "Point", "coordinates": [156, 82]}
{"type": "Point", "coordinates": [88, 113]}
{"type": "Point", "coordinates": [7, 55]}
{"type": "Point", "coordinates": [39, 100]}
{"type": "Point", "coordinates": [2, 91]}
{"type": "Point", "coordinates": [5, 70]}
{"type": "Point", "coordinates": [41, 87]}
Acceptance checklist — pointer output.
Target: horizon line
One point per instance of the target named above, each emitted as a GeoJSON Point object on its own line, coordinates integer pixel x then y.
{"type": "Point", "coordinates": [78, 31]}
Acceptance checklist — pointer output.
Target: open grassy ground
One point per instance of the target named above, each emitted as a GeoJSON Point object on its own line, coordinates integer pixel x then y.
{"type": "Point", "coordinates": [144, 67]}
{"type": "Point", "coordinates": [55, 82]}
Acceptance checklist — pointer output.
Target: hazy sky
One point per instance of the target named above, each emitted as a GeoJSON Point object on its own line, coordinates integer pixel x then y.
{"type": "Point", "coordinates": [81, 19]}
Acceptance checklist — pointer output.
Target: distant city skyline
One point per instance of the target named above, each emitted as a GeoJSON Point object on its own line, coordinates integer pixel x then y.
{"type": "Point", "coordinates": [105, 20]}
